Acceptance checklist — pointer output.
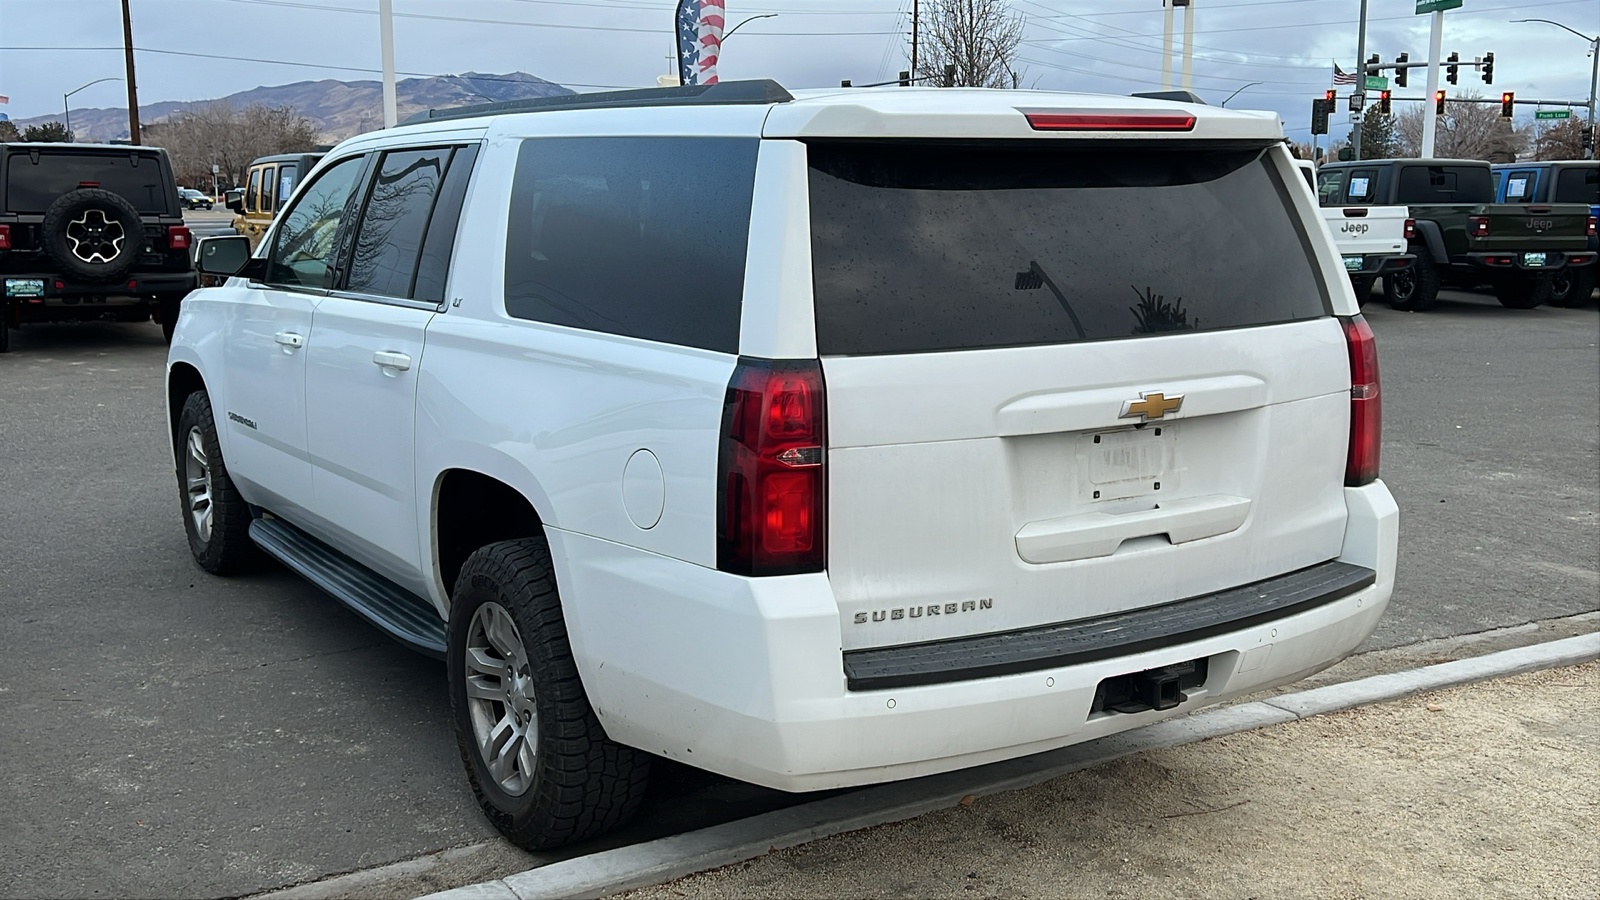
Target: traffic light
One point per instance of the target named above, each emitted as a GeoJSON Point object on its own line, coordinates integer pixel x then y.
{"type": "Point", "coordinates": [1588, 142]}
{"type": "Point", "coordinates": [1438, 103]}
{"type": "Point", "coordinates": [1508, 102]}
{"type": "Point", "coordinates": [1400, 69]}
{"type": "Point", "coordinates": [1383, 102]}
{"type": "Point", "coordinates": [1488, 68]}
{"type": "Point", "coordinates": [1319, 115]}
{"type": "Point", "coordinates": [1452, 72]}
{"type": "Point", "coordinates": [1372, 65]}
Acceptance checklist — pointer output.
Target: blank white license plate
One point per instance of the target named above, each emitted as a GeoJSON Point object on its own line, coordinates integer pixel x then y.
{"type": "Point", "coordinates": [1352, 263]}
{"type": "Point", "coordinates": [1126, 463]}
{"type": "Point", "coordinates": [1533, 259]}
{"type": "Point", "coordinates": [24, 287]}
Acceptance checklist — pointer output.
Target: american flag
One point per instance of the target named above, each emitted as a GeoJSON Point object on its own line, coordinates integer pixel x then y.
{"type": "Point", "coordinates": [1340, 76]}
{"type": "Point", "coordinates": [700, 24]}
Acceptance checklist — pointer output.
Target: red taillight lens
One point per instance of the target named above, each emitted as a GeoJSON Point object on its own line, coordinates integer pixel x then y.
{"type": "Point", "coordinates": [1591, 226]}
{"type": "Point", "coordinates": [178, 237]}
{"type": "Point", "coordinates": [1478, 226]}
{"type": "Point", "coordinates": [771, 481]}
{"type": "Point", "coordinates": [1411, 229]}
{"type": "Point", "coordinates": [1130, 121]}
{"type": "Point", "coordinates": [5, 236]}
{"type": "Point", "coordinates": [1366, 405]}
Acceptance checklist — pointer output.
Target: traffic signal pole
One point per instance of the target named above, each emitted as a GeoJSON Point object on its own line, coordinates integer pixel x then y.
{"type": "Point", "coordinates": [1430, 123]}
{"type": "Point", "coordinates": [1361, 85]}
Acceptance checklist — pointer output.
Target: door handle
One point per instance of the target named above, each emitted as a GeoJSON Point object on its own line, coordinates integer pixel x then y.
{"type": "Point", "coordinates": [393, 360]}
{"type": "Point", "coordinates": [289, 340]}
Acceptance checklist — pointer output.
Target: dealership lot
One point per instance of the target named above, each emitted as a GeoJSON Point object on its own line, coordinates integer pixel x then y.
{"type": "Point", "coordinates": [169, 733]}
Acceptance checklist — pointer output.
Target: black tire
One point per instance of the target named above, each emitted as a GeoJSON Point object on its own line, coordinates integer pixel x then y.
{"type": "Point", "coordinates": [93, 235]}
{"type": "Point", "coordinates": [1570, 287]}
{"type": "Point", "coordinates": [1523, 291]}
{"type": "Point", "coordinates": [167, 309]}
{"type": "Point", "coordinates": [5, 327]}
{"type": "Point", "coordinates": [225, 548]}
{"type": "Point", "coordinates": [1414, 288]}
{"type": "Point", "coordinates": [579, 783]}
{"type": "Point", "coordinates": [1363, 289]}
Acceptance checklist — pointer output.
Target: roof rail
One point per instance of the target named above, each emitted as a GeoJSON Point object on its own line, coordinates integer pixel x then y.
{"type": "Point", "coordinates": [756, 91]}
{"type": "Point", "coordinates": [1175, 96]}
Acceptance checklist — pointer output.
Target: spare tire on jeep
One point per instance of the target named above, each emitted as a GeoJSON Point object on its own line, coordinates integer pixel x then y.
{"type": "Point", "coordinates": [92, 234]}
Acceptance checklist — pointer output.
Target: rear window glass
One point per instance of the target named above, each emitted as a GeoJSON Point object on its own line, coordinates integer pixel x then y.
{"type": "Point", "coordinates": [923, 247]}
{"type": "Point", "coordinates": [1578, 185]}
{"type": "Point", "coordinates": [31, 187]}
{"type": "Point", "coordinates": [643, 237]}
{"type": "Point", "coordinates": [1445, 184]}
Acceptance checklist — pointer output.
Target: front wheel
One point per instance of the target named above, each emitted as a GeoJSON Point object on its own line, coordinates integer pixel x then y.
{"type": "Point", "coordinates": [215, 517]}
{"type": "Point", "coordinates": [1414, 288]}
{"type": "Point", "coordinates": [539, 761]}
{"type": "Point", "coordinates": [1523, 292]}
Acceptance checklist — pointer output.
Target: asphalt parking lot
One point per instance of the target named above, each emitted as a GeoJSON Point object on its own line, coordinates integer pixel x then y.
{"type": "Point", "coordinates": [171, 734]}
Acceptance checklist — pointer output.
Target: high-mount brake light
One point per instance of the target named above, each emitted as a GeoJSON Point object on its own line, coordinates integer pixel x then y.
{"type": "Point", "coordinates": [1366, 404]}
{"type": "Point", "coordinates": [1411, 229]}
{"type": "Point", "coordinates": [771, 469]}
{"type": "Point", "coordinates": [1130, 121]}
{"type": "Point", "coordinates": [1478, 226]}
{"type": "Point", "coordinates": [179, 237]}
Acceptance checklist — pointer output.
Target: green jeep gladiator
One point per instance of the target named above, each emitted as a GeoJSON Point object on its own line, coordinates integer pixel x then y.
{"type": "Point", "coordinates": [1464, 238]}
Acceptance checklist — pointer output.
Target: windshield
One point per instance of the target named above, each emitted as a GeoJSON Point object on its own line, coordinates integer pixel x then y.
{"type": "Point", "coordinates": [32, 184]}
{"type": "Point", "coordinates": [920, 247]}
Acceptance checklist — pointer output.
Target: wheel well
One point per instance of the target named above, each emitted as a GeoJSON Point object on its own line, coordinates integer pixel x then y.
{"type": "Point", "coordinates": [474, 510]}
{"type": "Point", "coordinates": [182, 380]}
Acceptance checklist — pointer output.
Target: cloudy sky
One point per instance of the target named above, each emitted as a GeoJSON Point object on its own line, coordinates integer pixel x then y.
{"type": "Point", "coordinates": [201, 49]}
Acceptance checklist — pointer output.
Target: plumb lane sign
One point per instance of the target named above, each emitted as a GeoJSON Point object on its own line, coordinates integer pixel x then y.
{"type": "Point", "coordinates": [1428, 6]}
{"type": "Point", "coordinates": [1553, 114]}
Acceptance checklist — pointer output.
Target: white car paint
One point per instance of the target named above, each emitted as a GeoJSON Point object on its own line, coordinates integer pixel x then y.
{"type": "Point", "coordinates": [742, 675]}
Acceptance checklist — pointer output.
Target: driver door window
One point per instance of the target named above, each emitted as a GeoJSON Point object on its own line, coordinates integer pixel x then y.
{"type": "Point", "coordinates": [1329, 186]}
{"type": "Point", "coordinates": [253, 191]}
{"type": "Point", "coordinates": [305, 245]}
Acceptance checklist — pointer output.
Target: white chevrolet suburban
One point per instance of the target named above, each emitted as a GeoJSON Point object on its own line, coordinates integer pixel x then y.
{"type": "Point", "coordinates": [816, 440]}
{"type": "Point", "coordinates": [1372, 240]}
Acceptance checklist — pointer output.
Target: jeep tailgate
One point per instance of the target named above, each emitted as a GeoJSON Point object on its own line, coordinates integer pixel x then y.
{"type": "Point", "coordinates": [1519, 227]}
{"type": "Point", "coordinates": [1368, 230]}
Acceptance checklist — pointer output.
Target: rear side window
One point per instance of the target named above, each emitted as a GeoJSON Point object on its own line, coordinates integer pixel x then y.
{"type": "Point", "coordinates": [923, 247]}
{"type": "Point", "coordinates": [389, 238]}
{"type": "Point", "coordinates": [253, 192]}
{"type": "Point", "coordinates": [286, 180]}
{"type": "Point", "coordinates": [1445, 184]}
{"type": "Point", "coordinates": [1363, 185]}
{"type": "Point", "coordinates": [1519, 186]}
{"type": "Point", "coordinates": [1578, 185]}
{"type": "Point", "coordinates": [643, 237]}
{"type": "Point", "coordinates": [1330, 187]}
{"type": "Point", "coordinates": [31, 186]}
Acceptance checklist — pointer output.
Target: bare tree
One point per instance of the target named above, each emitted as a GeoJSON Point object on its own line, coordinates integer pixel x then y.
{"type": "Point", "coordinates": [1563, 140]}
{"type": "Point", "coordinates": [228, 137]}
{"type": "Point", "coordinates": [1465, 131]}
{"type": "Point", "coordinates": [8, 131]}
{"type": "Point", "coordinates": [978, 37]}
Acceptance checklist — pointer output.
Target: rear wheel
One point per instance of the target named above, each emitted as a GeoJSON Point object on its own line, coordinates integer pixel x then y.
{"type": "Point", "coordinates": [215, 517]}
{"type": "Point", "coordinates": [167, 309]}
{"type": "Point", "coordinates": [538, 759]}
{"type": "Point", "coordinates": [1571, 286]}
{"type": "Point", "coordinates": [1523, 291]}
{"type": "Point", "coordinates": [5, 327]}
{"type": "Point", "coordinates": [1415, 287]}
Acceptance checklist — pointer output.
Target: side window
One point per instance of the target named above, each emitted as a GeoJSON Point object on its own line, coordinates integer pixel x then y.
{"type": "Point", "coordinates": [253, 192]}
{"type": "Point", "coordinates": [1330, 187]}
{"type": "Point", "coordinates": [395, 220]}
{"type": "Point", "coordinates": [1577, 184]}
{"type": "Point", "coordinates": [643, 237]}
{"type": "Point", "coordinates": [286, 181]}
{"type": "Point", "coordinates": [268, 195]}
{"type": "Point", "coordinates": [1363, 184]}
{"type": "Point", "coordinates": [1519, 186]}
{"type": "Point", "coordinates": [1499, 178]}
{"type": "Point", "coordinates": [433, 267]}
{"type": "Point", "coordinates": [303, 246]}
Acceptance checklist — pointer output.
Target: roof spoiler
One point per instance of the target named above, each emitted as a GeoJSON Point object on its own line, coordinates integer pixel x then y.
{"type": "Point", "coordinates": [724, 93]}
{"type": "Point", "coordinates": [1174, 96]}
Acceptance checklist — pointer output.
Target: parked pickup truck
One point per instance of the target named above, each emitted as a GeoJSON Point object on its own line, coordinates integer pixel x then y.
{"type": "Point", "coordinates": [1463, 237]}
{"type": "Point", "coordinates": [1372, 240]}
{"type": "Point", "coordinates": [1563, 181]}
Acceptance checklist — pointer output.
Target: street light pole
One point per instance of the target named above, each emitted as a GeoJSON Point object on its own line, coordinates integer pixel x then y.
{"type": "Point", "coordinates": [1361, 83]}
{"type": "Point", "coordinates": [1594, 78]}
{"type": "Point", "coordinates": [1430, 121]}
{"type": "Point", "coordinates": [66, 106]}
{"type": "Point", "coordinates": [1236, 93]}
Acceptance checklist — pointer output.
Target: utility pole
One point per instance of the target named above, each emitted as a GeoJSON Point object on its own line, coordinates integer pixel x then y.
{"type": "Point", "coordinates": [1361, 86]}
{"type": "Point", "coordinates": [914, 10]}
{"type": "Point", "coordinates": [1188, 42]}
{"type": "Point", "coordinates": [1430, 121]}
{"type": "Point", "coordinates": [133, 87]}
{"type": "Point", "coordinates": [1166, 48]}
{"type": "Point", "coordinates": [391, 112]}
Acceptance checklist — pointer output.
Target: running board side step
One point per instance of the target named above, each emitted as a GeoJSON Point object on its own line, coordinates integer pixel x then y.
{"type": "Point", "coordinates": [402, 615]}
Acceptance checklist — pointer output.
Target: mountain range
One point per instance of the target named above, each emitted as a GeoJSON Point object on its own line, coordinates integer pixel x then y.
{"type": "Point", "coordinates": [339, 109]}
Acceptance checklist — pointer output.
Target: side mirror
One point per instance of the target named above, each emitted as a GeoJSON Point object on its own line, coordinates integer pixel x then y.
{"type": "Point", "coordinates": [234, 199]}
{"type": "Point", "coordinates": [224, 255]}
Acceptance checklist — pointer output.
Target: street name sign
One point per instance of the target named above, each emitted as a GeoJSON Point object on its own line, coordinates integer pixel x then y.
{"type": "Point", "coordinates": [1553, 114]}
{"type": "Point", "coordinates": [1428, 6]}
{"type": "Point", "coordinates": [1377, 83]}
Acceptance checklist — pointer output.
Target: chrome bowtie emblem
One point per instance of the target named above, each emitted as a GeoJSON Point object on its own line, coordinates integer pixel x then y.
{"type": "Point", "coordinates": [1150, 405]}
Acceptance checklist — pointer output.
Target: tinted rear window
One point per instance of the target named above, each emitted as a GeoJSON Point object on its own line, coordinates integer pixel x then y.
{"type": "Point", "coordinates": [1445, 184]}
{"type": "Point", "coordinates": [1578, 185]}
{"type": "Point", "coordinates": [643, 237]}
{"type": "Point", "coordinates": [922, 247]}
{"type": "Point", "coordinates": [31, 187]}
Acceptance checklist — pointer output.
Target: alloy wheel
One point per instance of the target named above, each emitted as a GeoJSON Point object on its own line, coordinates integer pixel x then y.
{"type": "Point", "coordinates": [197, 484]}
{"type": "Point", "coordinates": [500, 698]}
{"type": "Point", "coordinates": [95, 238]}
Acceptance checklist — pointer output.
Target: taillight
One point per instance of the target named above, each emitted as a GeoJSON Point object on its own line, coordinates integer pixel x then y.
{"type": "Point", "coordinates": [1478, 226]}
{"type": "Point", "coordinates": [771, 478]}
{"type": "Point", "coordinates": [178, 237]}
{"type": "Point", "coordinates": [1411, 229]}
{"type": "Point", "coordinates": [5, 236]}
{"type": "Point", "coordinates": [1591, 226]}
{"type": "Point", "coordinates": [1122, 121]}
{"type": "Point", "coordinates": [1366, 406]}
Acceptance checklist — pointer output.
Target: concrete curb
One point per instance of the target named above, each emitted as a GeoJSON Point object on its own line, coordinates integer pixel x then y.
{"type": "Point", "coordinates": [653, 862]}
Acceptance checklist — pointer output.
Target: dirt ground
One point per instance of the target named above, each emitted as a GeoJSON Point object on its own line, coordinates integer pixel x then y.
{"type": "Point", "coordinates": [1488, 790]}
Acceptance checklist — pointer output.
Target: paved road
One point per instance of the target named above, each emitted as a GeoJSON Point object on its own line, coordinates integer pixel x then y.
{"type": "Point", "coordinates": [170, 734]}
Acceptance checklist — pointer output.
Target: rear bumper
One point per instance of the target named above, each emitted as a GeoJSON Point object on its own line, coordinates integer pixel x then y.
{"type": "Point", "coordinates": [1517, 261]}
{"type": "Point", "coordinates": [745, 676]}
{"type": "Point", "coordinates": [137, 284]}
{"type": "Point", "coordinates": [1373, 265]}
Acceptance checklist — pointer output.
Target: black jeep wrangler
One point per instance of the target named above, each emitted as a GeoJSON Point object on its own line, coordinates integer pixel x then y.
{"type": "Point", "coordinates": [90, 231]}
